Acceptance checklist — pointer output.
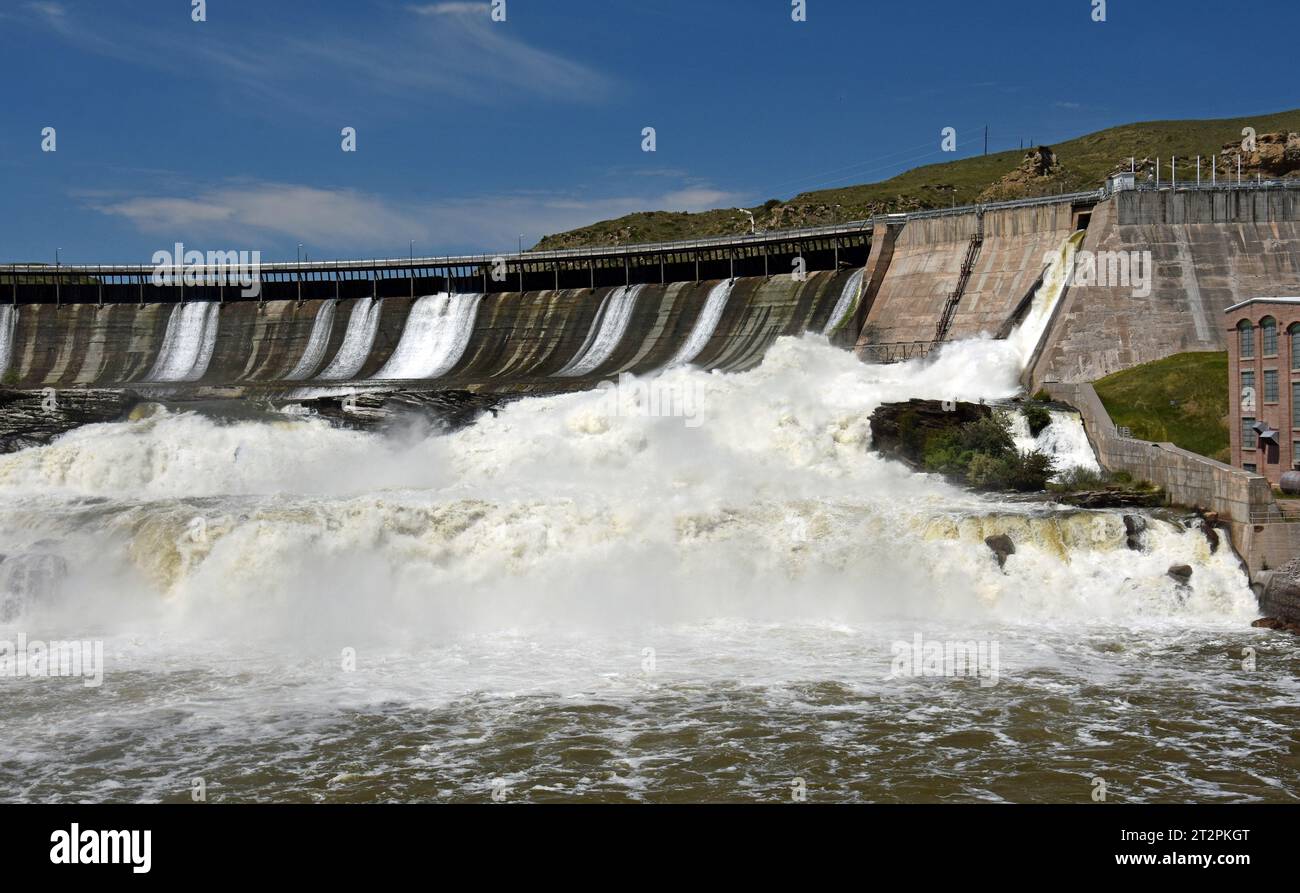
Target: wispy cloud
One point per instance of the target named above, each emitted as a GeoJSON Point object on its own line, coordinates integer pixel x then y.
{"type": "Point", "coordinates": [452, 49]}
{"type": "Point", "coordinates": [347, 220]}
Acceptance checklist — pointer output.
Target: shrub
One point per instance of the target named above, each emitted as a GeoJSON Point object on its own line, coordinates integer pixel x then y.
{"type": "Point", "coordinates": [1073, 479]}
{"type": "Point", "coordinates": [1037, 416]}
{"type": "Point", "coordinates": [984, 453]}
{"type": "Point", "coordinates": [10, 378]}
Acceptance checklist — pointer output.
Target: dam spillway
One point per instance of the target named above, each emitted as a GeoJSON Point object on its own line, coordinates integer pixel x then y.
{"type": "Point", "coordinates": [510, 340]}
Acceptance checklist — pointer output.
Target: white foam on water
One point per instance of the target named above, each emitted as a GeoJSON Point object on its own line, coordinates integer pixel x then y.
{"type": "Point", "coordinates": [358, 339]}
{"type": "Point", "coordinates": [706, 324]}
{"type": "Point", "coordinates": [1026, 337]}
{"type": "Point", "coordinates": [606, 332]}
{"type": "Point", "coordinates": [188, 343]}
{"type": "Point", "coordinates": [1065, 440]}
{"type": "Point", "coordinates": [434, 338]}
{"type": "Point", "coordinates": [512, 572]}
{"type": "Point", "coordinates": [317, 342]}
{"type": "Point", "coordinates": [8, 321]}
{"type": "Point", "coordinates": [848, 295]}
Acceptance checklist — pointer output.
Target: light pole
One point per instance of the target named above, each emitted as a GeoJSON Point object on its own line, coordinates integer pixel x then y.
{"type": "Point", "coordinates": [752, 230]}
{"type": "Point", "coordinates": [58, 294]}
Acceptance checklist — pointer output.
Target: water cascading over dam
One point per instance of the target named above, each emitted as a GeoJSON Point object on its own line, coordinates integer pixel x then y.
{"type": "Point", "coordinates": [587, 601]}
{"type": "Point", "coordinates": [534, 340]}
{"type": "Point", "coordinates": [8, 316]}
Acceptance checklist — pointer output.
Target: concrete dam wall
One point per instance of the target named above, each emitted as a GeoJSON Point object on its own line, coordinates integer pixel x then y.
{"type": "Point", "coordinates": [1210, 249]}
{"type": "Point", "coordinates": [927, 261]}
{"type": "Point", "coordinates": [1201, 251]}
{"type": "Point", "coordinates": [499, 342]}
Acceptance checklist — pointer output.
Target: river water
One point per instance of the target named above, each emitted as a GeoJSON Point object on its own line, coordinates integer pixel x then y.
{"type": "Point", "coordinates": [573, 600]}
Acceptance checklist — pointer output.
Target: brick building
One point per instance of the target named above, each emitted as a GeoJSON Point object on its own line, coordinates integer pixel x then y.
{"type": "Point", "coordinates": [1264, 385]}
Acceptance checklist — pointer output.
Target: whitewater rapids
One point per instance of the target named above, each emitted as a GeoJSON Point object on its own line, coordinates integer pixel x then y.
{"type": "Point", "coordinates": [581, 604]}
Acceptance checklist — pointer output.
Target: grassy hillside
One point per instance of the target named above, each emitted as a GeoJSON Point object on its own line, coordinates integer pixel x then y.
{"type": "Point", "coordinates": [1082, 163]}
{"type": "Point", "coordinates": [1182, 399]}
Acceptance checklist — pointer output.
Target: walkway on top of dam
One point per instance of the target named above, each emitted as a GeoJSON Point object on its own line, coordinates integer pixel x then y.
{"type": "Point", "coordinates": [767, 253]}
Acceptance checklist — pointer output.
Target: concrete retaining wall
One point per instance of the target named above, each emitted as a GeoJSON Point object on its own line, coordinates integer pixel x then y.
{"type": "Point", "coordinates": [1243, 500]}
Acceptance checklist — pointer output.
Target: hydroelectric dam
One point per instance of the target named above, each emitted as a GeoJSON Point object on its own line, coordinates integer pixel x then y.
{"type": "Point", "coordinates": [622, 607]}
{"type": "Point", "coordinates": [891, 288]}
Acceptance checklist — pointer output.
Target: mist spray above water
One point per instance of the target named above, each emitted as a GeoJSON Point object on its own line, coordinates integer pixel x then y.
{"type": "Point", "coordinates": [554, 512]}
{"type": "Point", "coordinates": [557, 572]}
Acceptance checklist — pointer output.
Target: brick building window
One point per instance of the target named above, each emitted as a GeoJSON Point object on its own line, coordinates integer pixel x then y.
{"type": "Point", "coordinates": [1248, 433]}
{"type": "Point", "coordinates": [1295, 404]}
{"type": "Point", "coordinates": [1246, 339]}
{"type": "Point", "coordinates": [1268, 335]}
{"type": "Point", "coordinates": [1294, 331]}
{"type": "Point", "coordinates": [1248, 390]}
{"type": "Point", "coordinates": [1270, 386]}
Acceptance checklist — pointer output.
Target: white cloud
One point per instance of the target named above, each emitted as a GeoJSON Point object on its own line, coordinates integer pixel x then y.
{"type": "Point", "coordinates": [348, 221]}
{"type": "Point", "coordinates": [446, 48]}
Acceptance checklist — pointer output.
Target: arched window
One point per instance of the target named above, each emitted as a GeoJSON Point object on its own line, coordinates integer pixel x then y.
{"type": "Point", "coordinates": [1294, 332]}
{"type": "Point", "coordinates": [1246, 339]}
{"type": "Point", "coordinates": [1268, 335]}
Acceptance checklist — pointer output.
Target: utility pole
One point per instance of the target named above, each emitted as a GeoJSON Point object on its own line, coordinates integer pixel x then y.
{"type": "Point", "coordinates": [986, 139]}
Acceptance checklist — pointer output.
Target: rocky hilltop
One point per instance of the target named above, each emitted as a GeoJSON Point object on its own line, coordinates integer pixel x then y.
{"type": "Point", "coordinates": [1077, 164]}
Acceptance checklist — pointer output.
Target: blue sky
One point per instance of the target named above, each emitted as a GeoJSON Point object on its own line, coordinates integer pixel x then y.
{"type": "Point", "coordinates": [226, 133]}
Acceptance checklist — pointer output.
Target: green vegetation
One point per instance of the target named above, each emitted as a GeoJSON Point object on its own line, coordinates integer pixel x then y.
{"type": "Point", "coordinates": [984, 454]}
{"type": "Point", "coordinates": [1081, 163]}
{"type": "Point", "coordinates": [1036, 416]}
{"type": "Point", "coordinates": [1083, 480]}
{"type": "Point", "coordinates": [10, 378]}
{"type": "Point", "coordinates": [1182, 399]}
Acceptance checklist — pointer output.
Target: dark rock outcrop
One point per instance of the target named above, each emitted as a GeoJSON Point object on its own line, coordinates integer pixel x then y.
{"type": "Point", "coordinates": [901, 430]}
{"type": "Point", "coordinates": [1207, 527]}
{"type": "Point", "coordinates": [1181, 573]}
{"type": "Point", "coordinates": [34, 418]}
{"type": "Point", "coordinates": [1001, 546]}
{"type": "Point", "coordinates": [1115, 499]}
{"type": "Point", "coordinates": [1279, 625]}
{"type": "Point", "coordinates": [1134, 527]}
{"type": "Point", "coordinates": [448, 410]}
{"type": "Point", "coordinates": [1038, 172]}
{"type": "Point", "coordinates": [1275, 155]}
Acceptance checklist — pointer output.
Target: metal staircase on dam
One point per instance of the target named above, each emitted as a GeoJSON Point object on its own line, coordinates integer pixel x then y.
{"type": "Point", "coordinates": [967, 267]}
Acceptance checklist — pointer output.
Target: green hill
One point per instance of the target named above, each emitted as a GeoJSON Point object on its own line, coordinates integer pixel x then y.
{"type": "Point", "coordinates": [1078, 164]}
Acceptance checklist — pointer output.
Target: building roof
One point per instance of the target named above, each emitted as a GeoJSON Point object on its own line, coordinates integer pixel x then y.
{"type": "Point", "coordinates": [1262, 301]}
